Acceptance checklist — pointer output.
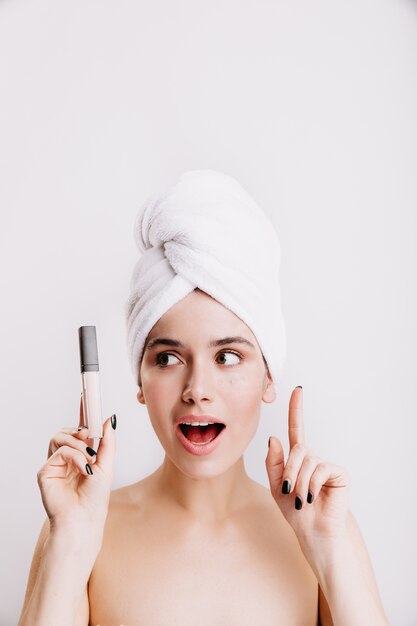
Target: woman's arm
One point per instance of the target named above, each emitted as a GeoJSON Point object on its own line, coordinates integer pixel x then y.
{"type": "Point", "coordinates": [313, 497]}
{"type": "Point", "coordinates": [346, 578]}
{"type": "Point", "coordinates": [57, 586]}
{"type": "Point", "coordinates": [76, 500]}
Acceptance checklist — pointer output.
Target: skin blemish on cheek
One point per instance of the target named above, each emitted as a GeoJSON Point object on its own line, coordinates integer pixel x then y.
{"type": "Point", "coordinates": [236, 378]}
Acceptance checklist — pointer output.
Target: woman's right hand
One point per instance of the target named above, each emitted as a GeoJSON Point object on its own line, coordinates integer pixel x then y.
{"type": "Point", "coordinates": [73, 499]}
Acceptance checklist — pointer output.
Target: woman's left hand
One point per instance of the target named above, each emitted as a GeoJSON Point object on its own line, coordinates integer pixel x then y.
{"type": "Point", "coordinates": [325, 518]}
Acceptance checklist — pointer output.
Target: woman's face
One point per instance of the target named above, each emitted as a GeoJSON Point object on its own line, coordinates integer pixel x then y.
{"type": "Point", "coordinates": [227, 381]}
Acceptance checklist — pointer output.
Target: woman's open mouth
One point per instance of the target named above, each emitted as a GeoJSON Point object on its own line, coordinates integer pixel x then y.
{"type": "Point", "coordinates": [200, 440]}
{"type": "Point", "coordinates": [200, 435]}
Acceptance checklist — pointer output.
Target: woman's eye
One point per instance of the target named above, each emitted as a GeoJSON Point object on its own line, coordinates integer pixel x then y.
{"type": "Point", "coordinates": [163, 355]}
{"type": "Point", "coordinates": [229, 353]}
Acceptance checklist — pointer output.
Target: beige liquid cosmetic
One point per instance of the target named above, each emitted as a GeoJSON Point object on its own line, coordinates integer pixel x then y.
{"type": "Point", "coordinates": [90, 384]}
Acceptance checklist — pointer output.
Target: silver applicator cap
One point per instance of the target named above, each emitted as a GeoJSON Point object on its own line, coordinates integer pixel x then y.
{"type": "Point", "coordinates": [88, 349]}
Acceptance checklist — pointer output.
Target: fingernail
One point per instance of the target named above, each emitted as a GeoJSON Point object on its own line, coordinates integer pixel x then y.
{"type": "Point", "coordinates": [114, 421]}
{"type": "Point", "coordinates": [269, 441]}
{"type": "Point", "coordinates": [88, 468]}
{"type": "Point", "coordinates": [298, 387]}
{"type": "Point", "coordinates": [286, 486]}
{"type": "Point", "coordinates": [309, 497]}
{"type": "Point", "coordinates": [90, 451]}
{"type": "Point", "coordinates": [298, 503]}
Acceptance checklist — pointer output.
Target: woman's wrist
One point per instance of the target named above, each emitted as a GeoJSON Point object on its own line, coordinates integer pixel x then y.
{"type": "Point", "coordinates": [348, 588]}
{"type": "Point", "coordinates": [324, 555]}
{"type": "Point", "coordinates": [76, 540]}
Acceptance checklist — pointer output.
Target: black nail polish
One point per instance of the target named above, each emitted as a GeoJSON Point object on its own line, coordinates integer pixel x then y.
{"type": "Point", "coordinates": [88, 468]}
{"type": "Point", "coordinates": [310, 497]}
{"type": "Point", "coordinates": [286, 487]}
{"type": "Point", "coordinates": [90, 451]}
{"type": "Point", "coordinates": [113, 421]}
{"type": "Point", "coordinates": [298, 503]}
{"type": "Point", "coordinates": [299, 387]}
{"type": "Point", "coordinates": [269, 441]}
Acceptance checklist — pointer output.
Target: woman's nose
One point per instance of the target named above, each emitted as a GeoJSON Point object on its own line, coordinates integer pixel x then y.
{"type": "Point", "coordinates": [199, 385]}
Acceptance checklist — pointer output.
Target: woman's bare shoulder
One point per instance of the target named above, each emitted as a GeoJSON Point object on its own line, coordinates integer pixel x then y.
{"type": "Point", "coordinates": [263, 502]}
{"type": "Point", "coordinates": [128, 497]}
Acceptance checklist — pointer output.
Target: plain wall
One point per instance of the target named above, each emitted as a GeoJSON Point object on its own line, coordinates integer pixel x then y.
{"type": "Point", "coordinates": [312, 107]}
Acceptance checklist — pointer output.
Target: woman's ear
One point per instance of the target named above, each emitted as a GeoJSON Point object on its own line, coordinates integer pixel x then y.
{"type": "Point", "coordinates": [269, 394]}
{"type": "Point", "coordinates": [140, 396]}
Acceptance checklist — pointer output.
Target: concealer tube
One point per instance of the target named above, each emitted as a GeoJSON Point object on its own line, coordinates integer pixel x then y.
{"type": "Point", "coordinates": [90, 383]}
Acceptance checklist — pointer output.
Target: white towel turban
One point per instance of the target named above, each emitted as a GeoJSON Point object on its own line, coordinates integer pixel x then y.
{"type": "Point", "coordinates": [207, 232]}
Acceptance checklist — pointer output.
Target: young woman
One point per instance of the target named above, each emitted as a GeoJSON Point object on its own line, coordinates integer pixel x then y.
{"type": "Point", "coordinates": [198, 542]}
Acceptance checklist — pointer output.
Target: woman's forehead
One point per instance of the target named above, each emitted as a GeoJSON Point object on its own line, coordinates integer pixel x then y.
{"type": "Point", "coordinates": [203, 316]}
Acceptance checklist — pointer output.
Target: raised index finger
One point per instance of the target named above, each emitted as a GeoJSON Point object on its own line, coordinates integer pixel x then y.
{"type": "Point", "coordinates": [295, 418]}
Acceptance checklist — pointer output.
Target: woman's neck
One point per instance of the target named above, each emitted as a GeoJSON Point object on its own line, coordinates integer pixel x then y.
{"type": "Point", "coordinates": [206, 500]}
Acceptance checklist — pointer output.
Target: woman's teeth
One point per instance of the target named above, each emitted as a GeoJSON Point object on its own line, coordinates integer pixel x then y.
{"type": "Point", "coordinates": [197, 423]}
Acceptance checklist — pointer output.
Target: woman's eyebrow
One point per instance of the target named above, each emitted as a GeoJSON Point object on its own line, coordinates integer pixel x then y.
{"type": "Point", "coordinates": [216, 342]}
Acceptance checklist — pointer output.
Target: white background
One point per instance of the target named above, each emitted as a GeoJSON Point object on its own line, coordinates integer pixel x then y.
{"type": "Point", "coordinates": [312, 107]}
